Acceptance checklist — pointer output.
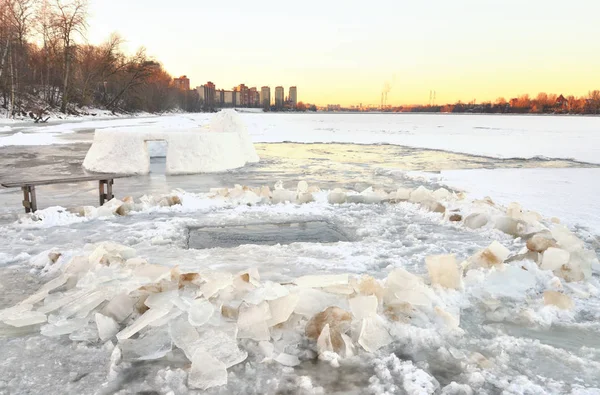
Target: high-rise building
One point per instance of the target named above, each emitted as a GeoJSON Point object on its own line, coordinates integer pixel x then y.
{"type": "Point", "coordinates": [242, 95]}
{"type": "Point", "coordinates": [182, 83]}
{"type": "Point", "coordinates": [293, 96]}
{"type": "Point", "coordinates": [207, 94]}
{"type": "Point", "coordinates": [253, 97]}
{"type": "Point", "coordinates": [279, 96]}
{"type": "Point", "coordinates": [265, 97]}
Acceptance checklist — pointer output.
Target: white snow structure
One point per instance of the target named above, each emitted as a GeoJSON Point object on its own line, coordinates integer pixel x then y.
{"type": "Point", "coordinates": [223, 145]}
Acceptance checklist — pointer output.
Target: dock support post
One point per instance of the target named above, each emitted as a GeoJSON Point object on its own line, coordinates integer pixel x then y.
{"type": "Point", "coordinates": [29, 199]}
{"type": "Point", "coordinates": [105, 187]}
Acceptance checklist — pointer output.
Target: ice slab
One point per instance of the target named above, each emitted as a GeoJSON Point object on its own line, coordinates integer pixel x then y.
{"type": "Point", "coordinates": [144, 320]}
{"type": "Point", "coordinates": [153, 344]}
{"type": "Point", "coordinates": [206, 371]}
{"type": "Point", "coordinates": [444, 270]}
{"type": "Point", "coordinates": [107, 327]}
{"type": "Point", "coordinates": [201, 310]}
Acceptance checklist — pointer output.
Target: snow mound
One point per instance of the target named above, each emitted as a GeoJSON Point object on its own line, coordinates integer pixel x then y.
{"type": "Point", "coordinates": [225, 145]}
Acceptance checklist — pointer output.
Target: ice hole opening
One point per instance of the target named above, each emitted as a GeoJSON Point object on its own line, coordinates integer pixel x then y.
{"type": "Point", "coordinates": [229, 236]}
{"type": "Point", "coordinates": [157, 155]}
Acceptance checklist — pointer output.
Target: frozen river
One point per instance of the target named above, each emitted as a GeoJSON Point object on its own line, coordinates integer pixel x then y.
{"type": "Point", "coordinates": [507, 342]}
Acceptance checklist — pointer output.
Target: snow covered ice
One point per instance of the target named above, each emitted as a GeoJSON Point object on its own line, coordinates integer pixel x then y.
{"type": "Point", "coordinates": [444, 293]}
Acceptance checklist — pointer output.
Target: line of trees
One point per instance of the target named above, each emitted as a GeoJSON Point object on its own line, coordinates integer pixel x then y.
{"type": "Point", "coordinates": [543, 103]}
{"type": "Point", "coordinates": [46, 63]}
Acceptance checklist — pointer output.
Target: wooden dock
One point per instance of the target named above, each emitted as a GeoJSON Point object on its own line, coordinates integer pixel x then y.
{"type": "Point", "coordinates": [105, 187]}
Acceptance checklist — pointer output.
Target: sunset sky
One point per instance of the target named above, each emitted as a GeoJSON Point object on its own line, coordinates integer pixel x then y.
{"type": "Point", "coordinates": [343, 52]}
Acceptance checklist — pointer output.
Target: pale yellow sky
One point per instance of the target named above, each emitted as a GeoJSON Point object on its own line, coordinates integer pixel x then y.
{"type": "Point", "coordinates": [344, 52]}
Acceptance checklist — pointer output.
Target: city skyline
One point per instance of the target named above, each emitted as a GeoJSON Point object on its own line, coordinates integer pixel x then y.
{"type": "Point", "coordinates": [354, 53]}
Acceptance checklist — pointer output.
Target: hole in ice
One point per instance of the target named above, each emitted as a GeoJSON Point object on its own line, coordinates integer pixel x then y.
{"type": "Point", "coordinates": [265, 234]}
{"type": "Point", "coordinates": [157, 155]}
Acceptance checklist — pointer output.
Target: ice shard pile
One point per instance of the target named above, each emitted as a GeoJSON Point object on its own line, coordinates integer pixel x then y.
{"type": "Point", "coordinates": [149, 311]}
{"type": "Point", "coordinates": [224, 145]}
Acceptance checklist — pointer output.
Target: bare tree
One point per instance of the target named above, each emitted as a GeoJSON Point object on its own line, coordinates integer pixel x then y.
{"type": "Point", "coordinates": [69, 19]}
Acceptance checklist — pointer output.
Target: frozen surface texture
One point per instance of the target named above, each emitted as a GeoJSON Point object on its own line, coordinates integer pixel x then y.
{"type": "Point", "coordinates": [222, 146]}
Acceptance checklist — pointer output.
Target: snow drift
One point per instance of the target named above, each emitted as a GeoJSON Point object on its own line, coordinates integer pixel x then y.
{"type": "Point", "coordinates": [222, 146]}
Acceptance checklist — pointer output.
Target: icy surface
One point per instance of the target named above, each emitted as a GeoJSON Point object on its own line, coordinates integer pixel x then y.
{"type": "Point", "coordinates": [501, 330]}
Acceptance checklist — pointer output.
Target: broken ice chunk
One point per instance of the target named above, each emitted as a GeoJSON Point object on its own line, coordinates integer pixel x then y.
{"type": "Point", "coordinates": [443, 270]}
{"type": "Point", "coordinates": [153, 344]}
{"type": "Point", "coordinates": [302, 187]}
{"type": "Point", "coordinates": [200, 312]}
{"type": "Point", "coordinates": [252, 321]}
{"type": "Point", "coordinates": [494, 255]}
{"type": "Point", "coordinates": [142, 321]}
{"type": "Point", "coordinates": [184, 336]}
{"type": "Point", "coordinates": [153, 273]}
{"type": "Point", "coordinates": [324, 340]}
{"type": "Point", "coordinates": [448, 319]}
{"type": "Point", "coordinates": [558, 299]}
{"type": "Point", "coordinates": [162, 300]}
{"type": "Point", "coordinates": [373, 334]}
{"type": "Point", "coordinates": [540, 242]}
{"type": "Point", "coordinates": [206, 371]}
{"type": "Point", "coordinates": [214, 283]}
{"type": "Point", "coordinates": [221, 346]}
{"type": "Point", "coordinates": [405, 287]}
{"type": "Point", "coordinates": [420, 194]}
{"type": "Point", "coordinates": [566, 239]}
{"type": "Point", "coordinates": [337, 321]}
{"type": "Point", "coordinates": [441, 194]}
{"type": "Point", "coordinates": [320, 281]}
{"type": "Point", "coordinates": [363, 306]}
{"type": "Point", "coordinates": [476, 220]}
{"type": "Point", "coordinates": [63, 327]}
{"type": "Point", "coordinates": [554, 258]}
{"type": "Point", "coordinates": [120, 307]}
{"type": "Point", "coordinates": [268, 291]}
{"type": "Point", "coordinates": [510, 226]}
{"type": "Point", "coordinates": [46, 288]}
{"type": "Point", "coordinates": [282, 308]}
{"type": "Point", "coordinates": [107, 327]}
{"type": "Point", "coordinates": [402, 194]}
{"type": "Point", "coordinates": [82, 306]}
{"type": "Point", "coordinates": [337, 196]}
{"type": "Point", "coordinates": [24, 318]}
{"type": "Point", "coordinates": [287, 360]}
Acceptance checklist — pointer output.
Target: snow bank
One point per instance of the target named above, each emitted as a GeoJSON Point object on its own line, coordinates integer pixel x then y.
{"type": "Point", "coordinates": [225, 145]}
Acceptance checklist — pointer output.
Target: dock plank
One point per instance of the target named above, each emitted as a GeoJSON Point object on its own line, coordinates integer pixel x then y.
{"type": "Point", "coordinates": [52, 181]}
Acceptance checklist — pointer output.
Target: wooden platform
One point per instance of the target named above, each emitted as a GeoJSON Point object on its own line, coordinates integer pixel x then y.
{"type": "Point", "coordinates": [105, 184]}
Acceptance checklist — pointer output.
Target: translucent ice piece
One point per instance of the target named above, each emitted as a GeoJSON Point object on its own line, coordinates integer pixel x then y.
{"type": "Point", "coordinates": [363, 306]}
{"type": "Point", "coordinates": [206, 371]}
{"type": "Point", "coordinates": [200, 312]}
{"type": "Point", "coordinates": [107, 327]}
{"type": "Point", "coordinates": [554, 258]}
{"type": "Point", "coordinates": [373, 334]}
{"type": "Point", "coordinates": [252, 321]}
{"type": "Point", "coordinates": [142, 321]}
{"type": "Point", "coordinates": [25, 318]}
{"type": "Point", "coordinates": [153, 344]}
{"type": "Point", "coordinates": [281, 309]}
{"type": "Point", "coordinates": [287, 359]}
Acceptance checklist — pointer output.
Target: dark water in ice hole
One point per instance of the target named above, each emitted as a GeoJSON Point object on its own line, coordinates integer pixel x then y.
{"type": "Point", "coordinates": [265, 234]}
